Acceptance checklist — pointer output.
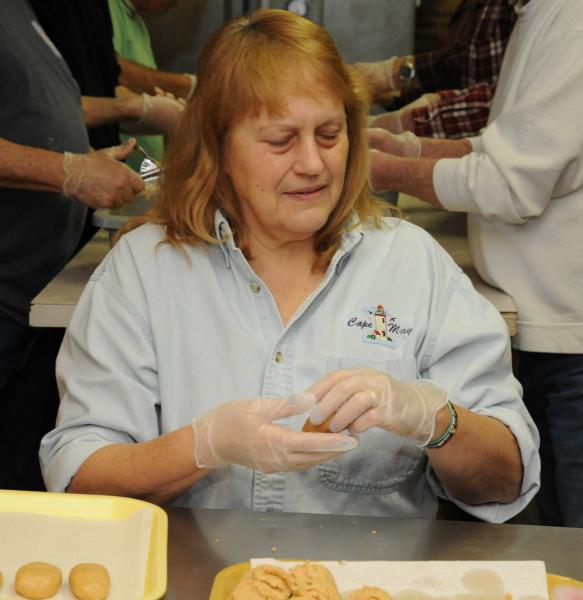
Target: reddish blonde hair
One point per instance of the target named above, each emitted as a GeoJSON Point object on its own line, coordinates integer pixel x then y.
{"type": "Point", "coordinates": [254, 62]}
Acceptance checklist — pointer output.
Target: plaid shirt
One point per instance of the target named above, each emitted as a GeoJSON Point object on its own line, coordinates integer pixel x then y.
{"type": "Point", "coordinates": [467, 67]}
{"type": "Point", "coordinates": [457, 114]}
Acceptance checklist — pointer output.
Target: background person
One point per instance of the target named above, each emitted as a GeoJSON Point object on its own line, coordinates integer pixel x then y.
{"type": "Point", "coordinates": [446, 92]}
{"type": "Point", "coordinates": [139, 71]}
{"type": "Point", "coordinates": [48, 178]}
{"type": "Point", "coordinates": [82, 33]}
{"type": "Point", "coordinates": [521, 183]}
{"type": "Point", "coordinates": [131, 39]}
{"type": "Point", "coordinates": [307, 287]}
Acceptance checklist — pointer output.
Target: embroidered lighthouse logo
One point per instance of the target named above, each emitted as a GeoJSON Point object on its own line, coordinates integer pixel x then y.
{"type": "Point", "coordinates": [380, 326]}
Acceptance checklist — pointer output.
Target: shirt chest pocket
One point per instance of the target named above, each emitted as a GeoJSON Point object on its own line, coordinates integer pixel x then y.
{"type": "Point", "coordinates": [383, 463]}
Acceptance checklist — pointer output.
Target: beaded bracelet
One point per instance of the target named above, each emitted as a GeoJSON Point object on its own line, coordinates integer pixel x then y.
{"type": "Point", "coordinates": [448, 433]}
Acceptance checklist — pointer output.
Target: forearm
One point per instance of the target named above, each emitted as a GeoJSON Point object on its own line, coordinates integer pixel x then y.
{"type": "Point", "coordinates": [141, 79]}
{"type": "Point", "coordinates": [481, 462]}
{"type": "Point", "coordinates": [103, 111]}
{"type": "Point", "coordinates": [157, 471]}
{"type": "Point", "coordinates": [439, 148]}
{"type": "Point", "coordinates": [24, 167]}
{"type": "Point", "coordinates": [413, 176]}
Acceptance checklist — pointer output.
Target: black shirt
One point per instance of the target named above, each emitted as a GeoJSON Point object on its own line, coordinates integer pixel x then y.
{"type": "Point", "coordinates": [40, 106]}
{"type": "Point", "coordinates": [83, 33]}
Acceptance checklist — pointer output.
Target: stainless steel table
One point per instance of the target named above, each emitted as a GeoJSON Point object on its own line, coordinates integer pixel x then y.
{"type": "Point", "coordinates": [202, 542]}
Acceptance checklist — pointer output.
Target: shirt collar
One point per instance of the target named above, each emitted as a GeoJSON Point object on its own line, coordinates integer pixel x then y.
{"type": "Point", "coordinates": [224, 233]}
{"type": "Point", "coordinates": [350, 239]}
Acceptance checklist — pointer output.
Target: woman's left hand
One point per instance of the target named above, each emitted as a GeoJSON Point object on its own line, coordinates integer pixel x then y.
{"type": "Point", "coordinates": [359, 399]}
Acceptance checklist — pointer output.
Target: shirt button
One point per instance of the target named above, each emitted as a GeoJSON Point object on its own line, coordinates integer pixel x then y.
{"type": "Point", "coordinates": [278, 357]}
{"type": "Point", "coordinates": [255, 287]}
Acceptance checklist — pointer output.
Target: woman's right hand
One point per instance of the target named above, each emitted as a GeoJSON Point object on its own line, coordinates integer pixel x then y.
{"type": "Point", "coordinates": [243, 432]}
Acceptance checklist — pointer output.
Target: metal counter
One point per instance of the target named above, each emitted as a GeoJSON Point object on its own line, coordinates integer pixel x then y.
{"type": "Point", "coordinates": [202, 542]}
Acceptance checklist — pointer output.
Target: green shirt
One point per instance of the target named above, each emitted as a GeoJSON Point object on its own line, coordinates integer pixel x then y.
{"type": "Point", "coordinates": [131, 40]}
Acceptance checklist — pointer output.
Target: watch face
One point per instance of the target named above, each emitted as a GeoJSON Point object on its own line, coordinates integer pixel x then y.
{"type": "Point", "coordinates": [406, 72]}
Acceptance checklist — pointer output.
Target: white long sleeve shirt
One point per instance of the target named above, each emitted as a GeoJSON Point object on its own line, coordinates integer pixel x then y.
{"type": "Point", "coordinates": [523, 183]}
{"type": "Point", "coordinates": [157, 339]}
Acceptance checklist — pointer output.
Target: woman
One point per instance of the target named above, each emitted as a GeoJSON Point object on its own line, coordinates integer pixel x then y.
{"type": "Point", "coordinates": [266, 270]}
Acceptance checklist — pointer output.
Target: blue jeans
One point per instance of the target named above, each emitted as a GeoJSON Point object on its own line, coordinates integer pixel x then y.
{"type": "Point", "coordinates": [553, 394]}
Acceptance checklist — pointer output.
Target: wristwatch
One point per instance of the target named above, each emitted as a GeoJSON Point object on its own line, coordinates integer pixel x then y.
{"type": "Point", "coordinates": [406, 72]}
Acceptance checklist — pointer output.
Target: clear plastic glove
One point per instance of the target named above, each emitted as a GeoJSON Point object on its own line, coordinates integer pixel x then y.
{"type": "Point", "coordinates": [406, 145]}
{"type": "Point", "coordinates": [379, 77]}
{"type": "Point", "coordinates": [159, 115]}
{"type": "Point", "coordinates": [158, 91]}
{"type": "Point", "coordinates": [99, 179]}
{"type": "Point", "coordinates": [242, 432]}
{"type": "Point", "coordinates": [193, 83]}
{"type": "Point", "coordinates": [359, 399]}
{"type": "Point", "coordinates": [429, 100]}
{"type": "Point", "coordinates": [390, 121]}
{"type": "Point", "coordinates": [398, 121]}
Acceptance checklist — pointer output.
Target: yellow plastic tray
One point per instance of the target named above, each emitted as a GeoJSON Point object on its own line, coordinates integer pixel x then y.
{"type": "Point", "coordinates": [226, 580]}
{"type": "Point", "coordinates": [101, 507]}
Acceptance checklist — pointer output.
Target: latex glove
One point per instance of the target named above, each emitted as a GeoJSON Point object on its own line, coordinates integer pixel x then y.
{"type": "Point", "coordinates": [160, 92]}
{"type": "Point", "coordinates": [193, 82]}
{"type": "Point", "coordinates": [406, 145]}
{"type": "Point", "coordinates": [361, 399]}
{"type": "Point", "coordinates": [428, 100]}
{"type": "Point", "coordinates": [159, 116]}
{"type": "Point", "coordinates": [99, 179]}
{"type": "Point", "coordinates": [398, 121]}
{"type": "Point", "coordinates": [379, 77]}
{"type": "Point", "coordinates": [242, 432]}
{"type": "Point", "coordinates": [390, 121]}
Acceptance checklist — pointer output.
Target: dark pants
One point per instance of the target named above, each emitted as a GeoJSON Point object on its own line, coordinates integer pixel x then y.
{"type": "Point", "coordinates": [553, 394]}
{"type": "Point", "coordinates": [28, 400]}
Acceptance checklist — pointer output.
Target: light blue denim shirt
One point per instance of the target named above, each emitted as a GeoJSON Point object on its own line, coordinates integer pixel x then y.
{"type": "Point", "coordinates": [158, 338]}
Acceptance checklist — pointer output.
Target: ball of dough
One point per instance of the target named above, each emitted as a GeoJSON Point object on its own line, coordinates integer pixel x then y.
{"type": "Point", "coordinates": [0, 578]}
{"type": "Point", "coordinates": [38, 580]}
{"type": "Point", "coordinates": [369, 593]}
{"type": "Point", "coordinates": [322, 428]}
{"type": "Point", "coordinates": [266, 582]}
{"type": "Point", "coordinates": [313, 581]}
{"type": "Point", "coordinates": [89, 581]}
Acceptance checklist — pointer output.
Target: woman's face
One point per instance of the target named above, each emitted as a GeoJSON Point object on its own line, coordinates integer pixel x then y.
{"type": "Point", "coordinates": [288, 171]}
